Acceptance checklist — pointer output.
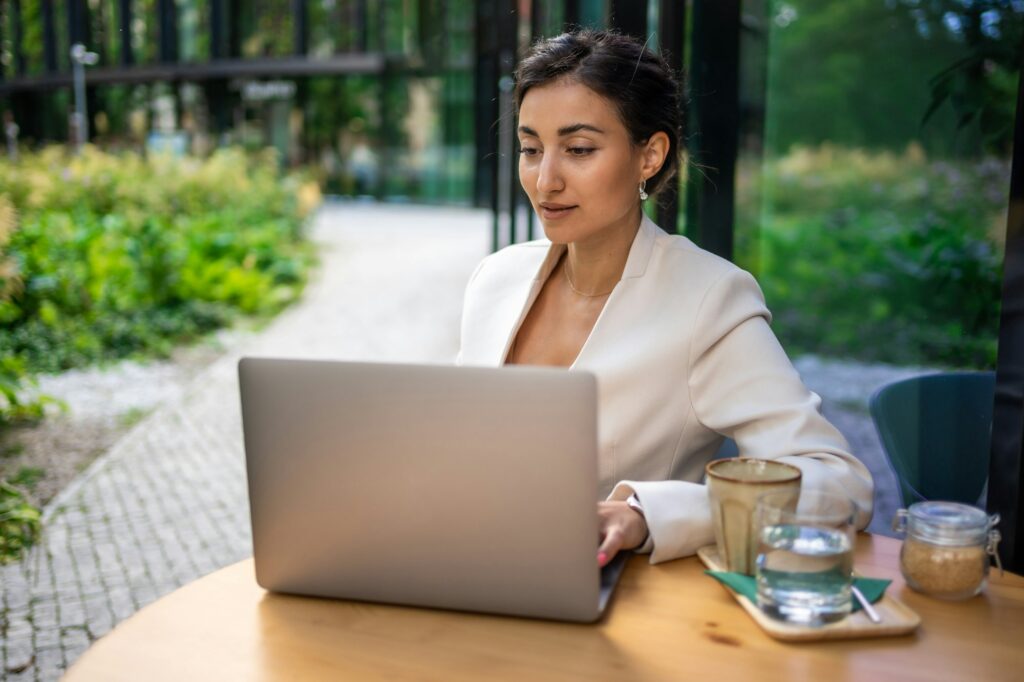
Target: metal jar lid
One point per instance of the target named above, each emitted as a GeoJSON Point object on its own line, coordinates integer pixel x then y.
{"type": "Point", "coordinates": [948, 523]}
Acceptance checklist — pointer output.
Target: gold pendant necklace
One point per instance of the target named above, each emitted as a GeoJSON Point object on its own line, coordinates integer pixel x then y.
{"type": "Point", "coordinates": [565, 271]}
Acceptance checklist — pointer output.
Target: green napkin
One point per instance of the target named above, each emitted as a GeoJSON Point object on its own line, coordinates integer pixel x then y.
{"type": "Point", "coordinates": [871, 588]}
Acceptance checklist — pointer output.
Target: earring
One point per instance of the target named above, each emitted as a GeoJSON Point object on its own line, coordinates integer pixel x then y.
{"type": "Point", "coordinates": [643, 190]}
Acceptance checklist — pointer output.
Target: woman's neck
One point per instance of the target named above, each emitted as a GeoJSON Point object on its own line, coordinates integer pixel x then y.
{"type": "Point", "coordinates": [595, 266]}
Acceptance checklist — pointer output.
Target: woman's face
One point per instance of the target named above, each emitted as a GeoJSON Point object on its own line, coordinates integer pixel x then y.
{"type": "Point", "coordinates": [578, 164]}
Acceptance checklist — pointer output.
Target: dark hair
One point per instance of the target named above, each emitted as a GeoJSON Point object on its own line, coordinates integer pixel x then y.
{"type": "Point", "coordinates": [639, 83]}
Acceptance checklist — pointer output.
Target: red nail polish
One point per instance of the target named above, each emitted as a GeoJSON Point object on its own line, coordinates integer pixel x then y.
{"type": "Point", "coordinates": [601, 558]}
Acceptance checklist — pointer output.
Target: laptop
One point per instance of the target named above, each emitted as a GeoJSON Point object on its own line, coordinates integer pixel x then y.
{"type": "Point", "coordinates": [463, 488]}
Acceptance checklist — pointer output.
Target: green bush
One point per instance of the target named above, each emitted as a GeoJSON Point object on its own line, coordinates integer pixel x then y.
{"type": "Point", "coordinates": [883, 257]}
{"type": "Point", "coordinates": [123, 255]}
{"type": "Point", "coordinates": [15, 404]}
{"type": "Point", "coordinates": [104, 256]}
{"type": "Point", "coordinates": [19, 522]}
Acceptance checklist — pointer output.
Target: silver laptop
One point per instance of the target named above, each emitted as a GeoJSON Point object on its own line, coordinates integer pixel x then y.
{"type": "Point", "coordinates": [454, 487]}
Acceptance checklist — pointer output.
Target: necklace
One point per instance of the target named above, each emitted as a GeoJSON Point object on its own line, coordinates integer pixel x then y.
{"type": "Point", "coordinates": [565, 271]}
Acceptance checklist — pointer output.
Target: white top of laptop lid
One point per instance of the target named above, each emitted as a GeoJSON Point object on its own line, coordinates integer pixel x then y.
{"type": "Point", "coordinates": [456, 487]}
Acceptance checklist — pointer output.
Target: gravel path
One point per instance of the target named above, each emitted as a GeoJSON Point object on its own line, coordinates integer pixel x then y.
{"type": "Point", "coordinates": [103, 404]}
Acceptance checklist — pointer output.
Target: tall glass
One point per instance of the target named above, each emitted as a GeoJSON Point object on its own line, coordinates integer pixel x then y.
{"type": "Point", "coordinates": [805, 557]}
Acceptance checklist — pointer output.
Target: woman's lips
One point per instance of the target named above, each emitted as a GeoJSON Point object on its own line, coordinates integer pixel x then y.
{"type": "Point", "coordinates": [555, 212]}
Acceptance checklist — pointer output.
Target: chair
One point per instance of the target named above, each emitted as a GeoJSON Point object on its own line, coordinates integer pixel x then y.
{"type": "Point", "coordinates": [936, 430]}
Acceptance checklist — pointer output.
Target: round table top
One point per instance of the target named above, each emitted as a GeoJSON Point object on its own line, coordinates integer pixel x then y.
{"type": "Point", "coordinates": [666, 621]}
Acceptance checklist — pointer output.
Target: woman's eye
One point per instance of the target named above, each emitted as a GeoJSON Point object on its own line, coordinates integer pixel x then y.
{"type": "Point", "coordinates": [529, 151]}
{"type": "Point", "coordinates": [580, 151]}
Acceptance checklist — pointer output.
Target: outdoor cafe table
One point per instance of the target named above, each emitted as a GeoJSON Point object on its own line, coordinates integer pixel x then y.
{"type": "Point", "coordinates": [667, 622]}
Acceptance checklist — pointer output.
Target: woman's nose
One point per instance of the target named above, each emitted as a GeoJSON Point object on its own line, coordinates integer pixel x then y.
{"type": "Point", "coordinates": [549, 177]}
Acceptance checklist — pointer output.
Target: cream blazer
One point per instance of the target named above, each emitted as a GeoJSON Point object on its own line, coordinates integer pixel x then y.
{"type": "Point", "coordinates": [683, 356]}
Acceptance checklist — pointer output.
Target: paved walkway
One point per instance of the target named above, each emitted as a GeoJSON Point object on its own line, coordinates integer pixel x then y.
{"type": "Point", "coordinates": [168, 503]}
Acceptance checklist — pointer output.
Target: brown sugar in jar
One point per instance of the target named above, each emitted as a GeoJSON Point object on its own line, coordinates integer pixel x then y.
{"type": "Point", "coordinates": [946, 552]}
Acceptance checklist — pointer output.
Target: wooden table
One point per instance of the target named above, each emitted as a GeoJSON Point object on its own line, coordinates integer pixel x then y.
{"type": "Point", "coordinates": [668, 622]}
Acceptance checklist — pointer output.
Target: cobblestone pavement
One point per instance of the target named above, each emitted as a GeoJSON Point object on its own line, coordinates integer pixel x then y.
{"type": "Point", "coordinates": [167, 504]}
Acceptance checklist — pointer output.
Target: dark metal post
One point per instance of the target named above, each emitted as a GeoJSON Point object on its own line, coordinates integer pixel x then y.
{"type": "Point", "coordinates": [300, 12]}
{"type": "Point", "coordinates": [20, 66]}
{"type": "Point", "coordinates": [571, 13]}
{"type": "Point", "coordinates": [714, 123]}
{"type": "Point", "coordinates": [73, 9]}
{"type": "Point", "coordinates": [218, 39]}
{"type": "Point", "coordinates": [49, 36]}
{"type": "Point", "coordinates": [168, 13]}
{"type": "Point", "coordinates": [1006, 465]}
{"type": "Point", "coordinates": [77, 22]}
{"type": "Point", "coordinates": [630, 17]}
{"type": "Point", "coordinates": [234, 30]}
{"type": "Point", "coordinates": [486, 109]}
{"type": "Point", "coordinates": [540, 13]}
{"type": "Point", "coordinates": [538, 18]}
{"type": "Point", "coordinates": [362, 20]}
{"type": "Point", "coordinates": [508, 184]}
{"type": "Point", "coordinates": [671, 40]}
{"type": "Point", "coordinates": [125, 23]}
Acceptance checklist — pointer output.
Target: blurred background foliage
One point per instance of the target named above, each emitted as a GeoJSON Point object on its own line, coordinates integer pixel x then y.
{"type": "Point", "coordinates": [882, 73]}
{"type": "Point", "coordinates": [873, 191]}
{"type": "Point", "coordinates": [107, 256]}
{"type": "Point", "coordinates": [882, 256]}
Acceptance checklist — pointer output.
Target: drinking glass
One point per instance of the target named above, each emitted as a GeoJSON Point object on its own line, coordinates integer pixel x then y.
{"type": "Point", "coordinates": [804, 565]}
{"type": "Point", "coordinates": [734, 486]}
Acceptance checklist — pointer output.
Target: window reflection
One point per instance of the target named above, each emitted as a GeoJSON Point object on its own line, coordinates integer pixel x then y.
{"type": "Point", "coordinates": [876, 217]}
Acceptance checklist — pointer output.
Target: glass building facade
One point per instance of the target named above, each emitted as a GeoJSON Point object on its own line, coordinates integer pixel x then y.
{"type": "Point", "coordinates": [377, 96]}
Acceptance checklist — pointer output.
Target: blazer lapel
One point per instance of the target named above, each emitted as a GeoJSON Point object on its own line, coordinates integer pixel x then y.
{"type": "Point", "coordinates": [514, 296]}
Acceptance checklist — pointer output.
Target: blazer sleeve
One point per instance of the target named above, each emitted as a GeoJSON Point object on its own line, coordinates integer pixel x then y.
{"type": "Point", "coordinates": [743, 386]}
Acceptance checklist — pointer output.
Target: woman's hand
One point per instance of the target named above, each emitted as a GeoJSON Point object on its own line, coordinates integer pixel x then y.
{"type": "Point", "coordinates": [621, 528]}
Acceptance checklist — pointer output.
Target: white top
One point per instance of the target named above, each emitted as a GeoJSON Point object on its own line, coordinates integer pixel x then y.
{"type": "Point", "coordinates": [683, 356]}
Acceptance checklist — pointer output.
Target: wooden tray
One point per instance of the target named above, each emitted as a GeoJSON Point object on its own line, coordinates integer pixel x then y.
{"type": "Point", "coordinates": [897, 619]}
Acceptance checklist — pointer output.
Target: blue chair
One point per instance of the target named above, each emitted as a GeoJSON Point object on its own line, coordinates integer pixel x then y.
{"type": "Point", "coordinates": [936, 430]}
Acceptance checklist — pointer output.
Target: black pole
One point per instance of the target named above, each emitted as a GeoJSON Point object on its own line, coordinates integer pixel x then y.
{"type": "Point", "coordinates": [485, 110]}
{"type": "Point", "coordinates": [571, 14]}
{"type": "Point", "coordinates": [671, 40]}
{"type": "Point", "coordinates": [72, 18]}
{"type": "Point", "coordinates": [508, 46]}
{"type": "Point", "coordinates": [125, 23]}
{"type": "Point", "coordinates": [713, 123]}
{"type": "Point", "coordinates": [20, 66]}
{"type": "Point", "coordinates": [1006, 463]}
{"type": "Point", "coordinates": [49, 36]}
{"type": "Point", "coordinates": [300, 12]}
{"type": "Point", "coordinates": [168, 22]}
{"type": "Point", "coordinates": [630, 17]}
{"type": "Point", "coordinates": [78, 23]}
{"type": "Point", "coordinates": [361, 23]}
{"type": "Point", "coordinates": [234, 30]}
{"type": "Point", "coordinates": [217, 30]}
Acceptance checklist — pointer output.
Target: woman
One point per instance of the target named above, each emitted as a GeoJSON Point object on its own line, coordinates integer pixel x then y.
{"type": "Point", "coordinates": [677, 337]}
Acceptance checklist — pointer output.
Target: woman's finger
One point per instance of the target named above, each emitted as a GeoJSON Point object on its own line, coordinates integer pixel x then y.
{"type": "Point", "coordinates": [611, 545]}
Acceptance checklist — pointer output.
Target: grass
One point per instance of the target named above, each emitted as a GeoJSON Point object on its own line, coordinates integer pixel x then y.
{"type": "Point", "coordinates": [132, 417]}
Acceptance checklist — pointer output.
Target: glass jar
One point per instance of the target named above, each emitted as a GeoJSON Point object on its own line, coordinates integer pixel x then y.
{"type": "Point", "coordinates": [947, 548]}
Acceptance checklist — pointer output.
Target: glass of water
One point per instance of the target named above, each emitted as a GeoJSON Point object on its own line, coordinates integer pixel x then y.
{"type": "Point", "coordinates": [804, 564]}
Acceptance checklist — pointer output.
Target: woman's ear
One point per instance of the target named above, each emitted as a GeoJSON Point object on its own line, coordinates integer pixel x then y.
{"type": "Point", "coordinates": [653, 154]}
